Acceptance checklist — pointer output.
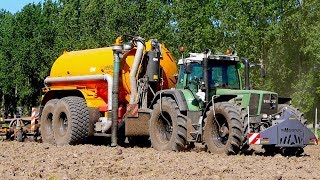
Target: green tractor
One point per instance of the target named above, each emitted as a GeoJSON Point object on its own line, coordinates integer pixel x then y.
{"type": "Point", "coordinates": [210, 106]}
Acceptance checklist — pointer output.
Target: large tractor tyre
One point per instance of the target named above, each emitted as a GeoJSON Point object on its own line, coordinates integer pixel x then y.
{"type": "Point", "coordinates": [71, 121]}
{"type": "Point", "coordinates": [296, 111]}
{"type": "Point", "coordinates": [46, 122]}
{"type": "Point", "coordinates": [167, 129]}
{"type": "Point", "coordinates": [223, 131]}
{"type": "Point", "coordinates": [245, 142]}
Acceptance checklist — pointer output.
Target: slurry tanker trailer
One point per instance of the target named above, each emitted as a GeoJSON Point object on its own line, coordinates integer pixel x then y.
{"type": "Point", "coordinates": [135, 90]}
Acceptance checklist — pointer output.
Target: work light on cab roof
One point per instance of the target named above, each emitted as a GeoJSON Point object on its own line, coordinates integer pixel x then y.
{"type": "Point", "coordinates": [198, 57]}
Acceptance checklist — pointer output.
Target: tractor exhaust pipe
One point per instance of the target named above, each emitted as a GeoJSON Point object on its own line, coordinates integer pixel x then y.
{"type": "Point", "coordinates": [117, 53]}
{"type": "Point", "coordinates": [205, 75]}
{"type": "Point", "coordinates": [247, 67]}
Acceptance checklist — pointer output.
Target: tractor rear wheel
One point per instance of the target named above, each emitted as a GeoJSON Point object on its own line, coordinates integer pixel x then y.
{"type": "Point", "coordinates": [223, 131]}
{"type": "Point", "coordinates": [46, 122]}
{"type": "Point", "coordinates": [71, 121]}
{"type": "Point", "coordinates": [167, 130]}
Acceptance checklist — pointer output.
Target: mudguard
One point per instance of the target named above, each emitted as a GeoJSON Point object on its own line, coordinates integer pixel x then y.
{"type": "Point", "coordinates": [177, 95]}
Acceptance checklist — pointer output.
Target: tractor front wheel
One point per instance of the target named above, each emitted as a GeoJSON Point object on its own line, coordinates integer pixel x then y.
{"type": "Point", "coordinates": [223, 131]}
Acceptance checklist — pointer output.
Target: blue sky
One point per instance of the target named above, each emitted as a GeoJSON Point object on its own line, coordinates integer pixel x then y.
{"type": "Point", "coordinates": [16, 5]}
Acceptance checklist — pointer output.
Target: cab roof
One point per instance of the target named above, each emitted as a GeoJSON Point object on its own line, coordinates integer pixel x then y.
{"type": "Point", "coordinates": [198, 57]}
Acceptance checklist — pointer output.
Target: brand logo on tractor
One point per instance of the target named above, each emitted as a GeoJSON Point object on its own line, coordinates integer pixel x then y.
{"type": "Point", "coordinates": [288, 130]}
{"type": "Point", "coordinates": [269, 101]}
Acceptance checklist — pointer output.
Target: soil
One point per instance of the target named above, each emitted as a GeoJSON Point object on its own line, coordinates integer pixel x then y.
{"type": "Point", "coordinates": [31, 160]}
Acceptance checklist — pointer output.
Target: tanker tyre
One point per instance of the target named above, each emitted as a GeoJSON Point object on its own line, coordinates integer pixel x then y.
{"type": "Point", "coordinates": [71, 121]}
{"type": "Point", "coordinates": [167, 129]}
{"type": "Point", "coordinates": [46, 122]}
{"type": "Point", "coordinates": [223, 131]}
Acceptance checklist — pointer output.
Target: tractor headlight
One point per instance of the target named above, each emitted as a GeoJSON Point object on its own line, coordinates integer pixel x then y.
{"type": "Point", "coordinates": [264, 116]}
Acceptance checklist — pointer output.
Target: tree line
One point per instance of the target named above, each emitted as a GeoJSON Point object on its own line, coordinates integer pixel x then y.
{"type": "Point", "coordinates": [284, 35]}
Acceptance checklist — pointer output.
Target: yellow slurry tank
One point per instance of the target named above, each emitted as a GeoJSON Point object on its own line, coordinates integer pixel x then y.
{"type": "Point", "coordinates": [100, 61]}
{"type": "Point", "coordinates": [82, 93]}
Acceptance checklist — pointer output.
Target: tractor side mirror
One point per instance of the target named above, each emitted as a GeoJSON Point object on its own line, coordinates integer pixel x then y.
{"type": "Point", "coordinates": [263, 71]}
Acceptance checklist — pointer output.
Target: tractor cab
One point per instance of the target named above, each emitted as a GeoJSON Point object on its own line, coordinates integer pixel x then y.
{"type": "Point", "coordinates": [222, 72]}
{"type": "Point", "coordinates": [207, 75]}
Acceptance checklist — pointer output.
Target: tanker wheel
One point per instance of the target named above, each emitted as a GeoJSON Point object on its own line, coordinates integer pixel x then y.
{"type": "Point", "coordinates": [71, 121]}
{"type": "Point", "coordinates": [296, 111]}
{"type": "Point", "coordinates": [46, 122]}
{"type": "Point", "coordinates": [167, 130]}
{"type": "Point", "coordinates": [223, 131]}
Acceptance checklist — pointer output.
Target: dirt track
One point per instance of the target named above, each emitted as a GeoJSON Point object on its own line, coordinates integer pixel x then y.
{"type": "Point", "coordinates": [31, 160]}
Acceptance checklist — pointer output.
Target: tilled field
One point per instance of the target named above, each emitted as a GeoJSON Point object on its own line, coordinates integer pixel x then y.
{"type": "Point", "coordinates": [31, 160]}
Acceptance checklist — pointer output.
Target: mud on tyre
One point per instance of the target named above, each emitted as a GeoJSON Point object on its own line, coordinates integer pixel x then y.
{"type": "Point", "coordinates": [167, 129]}
{"type": "Point", "coordinates": [46, 122]}
{"type": "Point", "coordinates": [70, 121]}
{"type": "Point", "coordinates": [223, 131]}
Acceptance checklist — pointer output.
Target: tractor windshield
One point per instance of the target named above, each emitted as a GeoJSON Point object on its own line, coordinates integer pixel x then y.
{"type": "Point", "coordinates": [221, 75]}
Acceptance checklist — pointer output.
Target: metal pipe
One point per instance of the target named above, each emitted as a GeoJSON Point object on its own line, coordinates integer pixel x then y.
{"type": "Point", "coordinates": [134, 70]}
{"type": "Point", "coordinates": [246, 80]}
{"type": "Point", "coordinates": [248, 119]}
{"type": "Point", "coordinates": [105, 77]}
{"type": "Point", "coordinates": [315, 123]}
{"type": "Point", "coordinates": [205, 76]}
{"type": "Point", "coordinates": [117, 50]}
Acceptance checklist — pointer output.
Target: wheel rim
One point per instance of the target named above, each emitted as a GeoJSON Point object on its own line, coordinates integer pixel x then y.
{"type": "Point", "coordinates": [63, 123]}
{"type": "Point", "coordinates": [49, 121]}
{"type": "Point", "coordinates": [220, 130]}
{"type": "Point", "coordinates": [164, 130]}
